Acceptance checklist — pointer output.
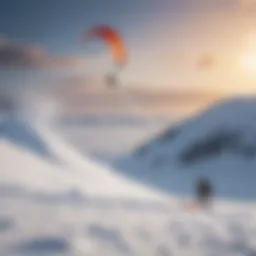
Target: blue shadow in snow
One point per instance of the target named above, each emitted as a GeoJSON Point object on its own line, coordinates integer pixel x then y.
{"type": "Point", "coordinates": [50, 245]}
{"type": "Point", "coordinates": [20, 133]}
{"type": "Point", "coordinates": [110, 236]}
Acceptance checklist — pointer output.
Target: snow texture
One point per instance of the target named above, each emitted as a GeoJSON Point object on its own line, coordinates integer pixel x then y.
{"type": "Point", "coordinates": [76, 206]}
{"type": "Point", "coordinates": [219, 143]}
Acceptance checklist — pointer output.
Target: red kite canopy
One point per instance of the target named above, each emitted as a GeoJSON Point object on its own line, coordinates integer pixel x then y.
{"type": "Point", "coordinates": [113, 39]}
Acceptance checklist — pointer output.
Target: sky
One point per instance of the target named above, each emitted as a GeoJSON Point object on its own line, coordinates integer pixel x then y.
{"type": "Point", "coordinates": [189, 45]}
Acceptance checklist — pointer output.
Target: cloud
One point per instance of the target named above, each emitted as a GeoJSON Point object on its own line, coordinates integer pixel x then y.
{"type": "Point", "coordinates": [30, 56]}
{"type": "Point", "coordinates": [80, 96]}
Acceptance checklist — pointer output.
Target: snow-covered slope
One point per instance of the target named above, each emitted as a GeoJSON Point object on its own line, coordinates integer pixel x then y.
{"type": "Point", "coordinates": [23, 169]}
{"type": "Point", "coordinates": [24, 164]}
{"type": "Point", "coordinates": [220, 144]}
{"type": "Point", "coordinates": [31, 224]}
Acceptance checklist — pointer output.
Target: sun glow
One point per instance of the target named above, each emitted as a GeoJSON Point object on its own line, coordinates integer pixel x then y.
{"type": "Point", "coordinates": [248, 61]}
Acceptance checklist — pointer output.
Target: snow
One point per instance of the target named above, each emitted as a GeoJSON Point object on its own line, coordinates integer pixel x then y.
{"type": "Point", "coordinates": [226, 130]}
{"type": "Point", "coordinates": [72, 171]}
{"type": "Point", "coordinates": [20, 132]}
{"type": "Point", "coordinates": [22, 168]}
{"type": "Point", "coordinates": [76, 206]}
{"type": "Point", "coordinates": [33, 227]}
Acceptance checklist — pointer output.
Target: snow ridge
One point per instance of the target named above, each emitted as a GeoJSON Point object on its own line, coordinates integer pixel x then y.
{"type": "Point", "coordinates": [219, 143]}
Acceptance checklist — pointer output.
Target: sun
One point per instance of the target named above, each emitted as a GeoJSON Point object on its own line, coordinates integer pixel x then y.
{"type": "Point", "coordinates": [248, 61]}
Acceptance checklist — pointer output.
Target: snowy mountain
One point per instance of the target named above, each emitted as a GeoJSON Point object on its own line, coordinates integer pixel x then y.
{"type": "Point", "coordinates": [25, 153]}
{"type": "Point", "coordinates": [76, 206]}
{"type": "Point", "coordinates": [219, 143]}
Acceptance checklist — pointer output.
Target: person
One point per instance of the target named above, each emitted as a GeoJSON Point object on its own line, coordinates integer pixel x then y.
{"type": "Point", "coordinates": [111, 81]}
{"type": "Point", "coordinates": [204, 192]}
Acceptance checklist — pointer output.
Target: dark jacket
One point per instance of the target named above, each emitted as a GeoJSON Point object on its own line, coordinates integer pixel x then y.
{"type": "Point", "coordinates": [204, 189]}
